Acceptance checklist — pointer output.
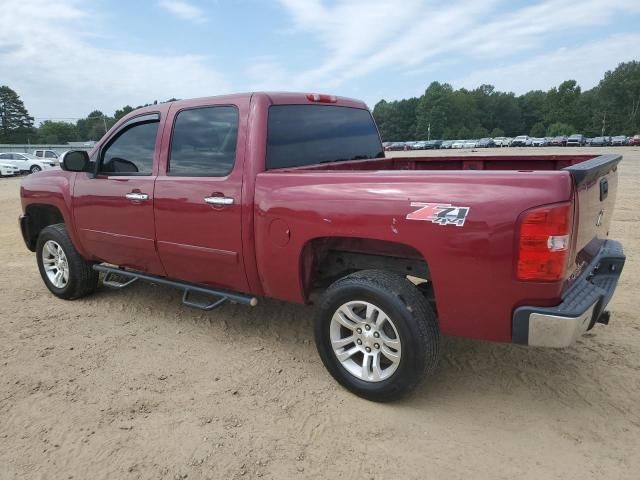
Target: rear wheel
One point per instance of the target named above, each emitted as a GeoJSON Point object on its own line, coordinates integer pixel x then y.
{"type": "Point", "coordinates": [65, 273]}
{"type": "Point", "coordinates": [35, 169]}
{"type": "Point", "coordinates": [377, 334]}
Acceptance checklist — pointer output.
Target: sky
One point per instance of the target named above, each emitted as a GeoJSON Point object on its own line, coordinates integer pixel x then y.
{"type": "Point", "coordinates": [66, 58]}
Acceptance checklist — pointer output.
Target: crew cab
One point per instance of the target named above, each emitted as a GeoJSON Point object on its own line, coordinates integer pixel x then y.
{"type": "Point", "coordinates": [290, 196]}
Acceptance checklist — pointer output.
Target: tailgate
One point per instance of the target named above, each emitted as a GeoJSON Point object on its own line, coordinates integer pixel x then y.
{"type": "Point", "coordinates": [596, 183]}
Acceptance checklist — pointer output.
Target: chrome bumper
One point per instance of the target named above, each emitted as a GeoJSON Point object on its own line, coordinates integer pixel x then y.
{"type": "Point", "coordinates": [556, 331]}
{"type": "Point", "coordinates": [583, 304]}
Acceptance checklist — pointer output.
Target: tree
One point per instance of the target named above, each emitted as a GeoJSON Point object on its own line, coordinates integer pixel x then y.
{"type": "Point", "coordinates": [57, 132]}
{"type": "Point", "coordinates": [16, 125]}
{"type": "Point", "coordinates": [497, 132]}
{"type": "Point", "coordinates": [559, 128]}
{"type": "Point", "coordinates": [538, 130]}
{"type": "Point", "coordinates": [94, 126]}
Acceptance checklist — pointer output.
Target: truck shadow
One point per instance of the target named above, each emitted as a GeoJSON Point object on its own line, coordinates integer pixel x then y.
{"type": "Point", "coordinates": [469, 370]}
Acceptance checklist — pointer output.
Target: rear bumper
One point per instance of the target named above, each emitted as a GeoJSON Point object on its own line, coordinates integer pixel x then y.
{"type": "Point", "coordinates": [582, 304]}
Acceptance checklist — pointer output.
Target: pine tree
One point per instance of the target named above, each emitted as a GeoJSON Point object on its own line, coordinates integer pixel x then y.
{"type": "Point", "coordinates": [15, 122]}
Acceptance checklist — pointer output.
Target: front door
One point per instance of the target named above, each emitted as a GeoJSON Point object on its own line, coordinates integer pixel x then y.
{"type": "Point", "coordinates": [198, 196]}
{"type": "Point", "coordinates": [114, 209]}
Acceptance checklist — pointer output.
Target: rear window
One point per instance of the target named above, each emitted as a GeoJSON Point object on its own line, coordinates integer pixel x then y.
{"type": "Point", "coordinates": [300, 135]}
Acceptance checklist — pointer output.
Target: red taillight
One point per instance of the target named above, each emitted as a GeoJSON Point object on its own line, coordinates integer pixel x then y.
{"type": "Point", "coordinates": [545, 243]}
{"type": "Point", "coordinates": [319, 97]}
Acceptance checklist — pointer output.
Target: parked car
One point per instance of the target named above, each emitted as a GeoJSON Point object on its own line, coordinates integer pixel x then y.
{"type": "Point", "coordinates": [470, 144]}
{"type": "Point", "coordinates": [635, 140]}
{"type": "Point", "coordinates": [521, 141]}
{"type": "Point", "coordinates": [255, 195]}
{"type": "Point", "coordinates": [501, 141]}
{"type": "Point", "coordinates": [433, 144]}
{"type": "Point", "coordinates": [458, 144]}
{"type": "Point", "coordinates": [396, 146]}
{"type": "Point", "coordinates": [386, 145]}
{"type": "Point", "coordinates": [50, 155]}
{"type": "Point", "coordinates": [446, 145]}
{"type": "Point", "coordinates": [576, 140]}
{"type": "Point", "coordinates": [26, 162]}
{"type": "Point", "coordinates": [539, 142]}
{"type": "Point", "coordinates": [559, 141]}
{"type": "Point", "coordinates": [600, 142]}
{"type": "Point", "coordinates": [507, 141]}
{"type": "Point", "coordinates": [619, 140]}
{"type": "Point", "coordinates": [486, 143]}
{"type": "Point", "coordinates": [8, 170]}
{"type": "Point", "coordinates": [419, 145]}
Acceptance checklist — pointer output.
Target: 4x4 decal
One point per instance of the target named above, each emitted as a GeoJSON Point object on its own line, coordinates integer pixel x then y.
{"type": "Point", "coordinates": [440, 213]}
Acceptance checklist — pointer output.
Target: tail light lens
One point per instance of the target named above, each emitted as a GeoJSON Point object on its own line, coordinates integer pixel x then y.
{"type": "Point", "coordinates": [545, 243]}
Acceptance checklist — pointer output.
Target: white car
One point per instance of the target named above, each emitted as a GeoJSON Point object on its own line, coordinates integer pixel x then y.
{"type": "Point", "coordinates": [26, 162]}
{"type": "Point", "coordinates": [458, 144]}
{"type": "Point", "coordinates": [470, 144]}
{"type": "Point", "coordinates": [8, 170]}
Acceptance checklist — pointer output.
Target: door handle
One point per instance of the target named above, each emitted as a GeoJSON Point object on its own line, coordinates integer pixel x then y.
{"type": "Point", "coordinates": [218, 200]}
{"type": "Point", "coordinates": [137, 196]}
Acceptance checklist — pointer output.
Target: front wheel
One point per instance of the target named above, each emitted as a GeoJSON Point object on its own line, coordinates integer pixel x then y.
{"type": "Point", "coordinates": [35, 169]}
{"type": "Point", "coordinates": [377, 335]}
{"type": "Point", "coordinates": [65, 273]}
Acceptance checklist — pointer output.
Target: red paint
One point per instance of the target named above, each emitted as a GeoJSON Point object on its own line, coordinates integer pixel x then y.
{"type": "Point", "coordinates": [258, 244]}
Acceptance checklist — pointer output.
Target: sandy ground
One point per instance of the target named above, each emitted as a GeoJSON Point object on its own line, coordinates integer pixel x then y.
{"type": "Point", "coordinates": [131, 384]}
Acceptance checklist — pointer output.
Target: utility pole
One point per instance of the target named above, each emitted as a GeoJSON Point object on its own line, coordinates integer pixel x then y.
{"type": "Point", "coordinates": [604, 122]}
{"type": "Point", "coordinates": [429, 131]}
{"type": "Point", "coordinates": [104, 120]}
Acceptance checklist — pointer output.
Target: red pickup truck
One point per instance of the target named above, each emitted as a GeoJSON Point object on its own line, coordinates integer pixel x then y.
{"type": "Point", "coordinates": [290, 196]}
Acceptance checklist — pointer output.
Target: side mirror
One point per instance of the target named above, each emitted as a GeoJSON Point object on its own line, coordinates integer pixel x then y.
{"type": "Point", "coordinates": [74, 161]}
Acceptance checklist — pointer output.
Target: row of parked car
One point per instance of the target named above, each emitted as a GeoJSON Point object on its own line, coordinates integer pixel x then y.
{"type": "Point", "coordinates": [18, 163]}
{"type": "Point", "coordinates": [575, 140]}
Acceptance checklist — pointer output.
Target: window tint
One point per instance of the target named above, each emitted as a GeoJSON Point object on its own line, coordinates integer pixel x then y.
{"type": "Point", "coordinates": [5, 156]}
{"type": "Point", "coordinates": [131, 153]}
{"type": "Point", "coordinates": [49, 155]}
{"type": "Point", "coordinates": [308, 134]}
{"type": "Point", "coordinates": [38, 153]}
{"type": "Point", "coordinates": [204, 142]}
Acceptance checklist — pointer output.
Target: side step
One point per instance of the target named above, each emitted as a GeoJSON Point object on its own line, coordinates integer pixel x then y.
{"type": "Point", "coordinates": [220, 296]}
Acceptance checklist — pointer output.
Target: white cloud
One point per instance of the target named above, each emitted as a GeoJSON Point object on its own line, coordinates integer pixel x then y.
{"type": "Point", "coordinates": [585, 64]}
{"type": "Point", "coordinates": [183, 9]}
{"type": "Point", "coordinates": [52, 62]}
{"type": "Point", "coordinates": [366, 37]}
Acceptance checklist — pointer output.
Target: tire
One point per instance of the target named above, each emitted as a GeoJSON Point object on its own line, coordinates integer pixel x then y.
{"type": "Point", "coordinates": [81, 279]}
{"type": "Point", "coordinates": [35, 169]}
{"type": "Point", "coordinates": [412, 321]}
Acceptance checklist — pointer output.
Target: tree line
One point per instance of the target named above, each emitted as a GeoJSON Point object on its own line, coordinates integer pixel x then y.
{"type": "Point", "coordinates": [612, 107]}
{"type": "Point", "coordinates": [17, 126]}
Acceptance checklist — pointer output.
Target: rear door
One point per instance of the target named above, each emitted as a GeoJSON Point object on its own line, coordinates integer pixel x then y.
{"type": "Point", "coordinates": [113, 209]}
{"type": "Point", "coordinates": [198, 194]}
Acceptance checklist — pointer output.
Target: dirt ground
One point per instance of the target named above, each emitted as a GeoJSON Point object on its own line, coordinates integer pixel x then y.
{"type": "Point", "coordinates": [131, 384]}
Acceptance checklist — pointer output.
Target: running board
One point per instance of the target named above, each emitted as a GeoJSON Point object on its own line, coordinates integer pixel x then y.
{"type": "Point", "coordinates": [221, 296]}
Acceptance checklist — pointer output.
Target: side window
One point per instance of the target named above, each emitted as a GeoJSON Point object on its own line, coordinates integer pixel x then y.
{"type": "Point", "coordinates": [131, 151]}
{"type": "Point", "coordinates": [204, 142]}
{"type": "Point", "coordinates": [38, 153]}
{"type": "Point", "coordinates": [49, 154]}
{"type": "Point", "coordinates": [5, 156]}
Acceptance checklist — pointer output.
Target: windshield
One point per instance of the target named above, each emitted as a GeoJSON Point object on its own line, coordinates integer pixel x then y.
{"type": "Point", "coordinates": [299, 135]}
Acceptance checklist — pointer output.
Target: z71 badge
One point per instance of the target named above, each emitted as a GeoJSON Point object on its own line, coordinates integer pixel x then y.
{"type": "Point", "coordinates": [440, 213]}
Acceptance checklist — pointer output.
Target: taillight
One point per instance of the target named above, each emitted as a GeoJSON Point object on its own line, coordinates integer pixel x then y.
{"type": "Point", "coordinates": [545, 243]}
{"type": "Point", "coordinates": [319, 97]}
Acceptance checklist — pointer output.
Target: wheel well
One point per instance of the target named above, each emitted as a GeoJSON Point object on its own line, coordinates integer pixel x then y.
{"type": "Point", "coordinates": [325, 260]}
{"type": "Point", "coordinates": [39, 217]}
